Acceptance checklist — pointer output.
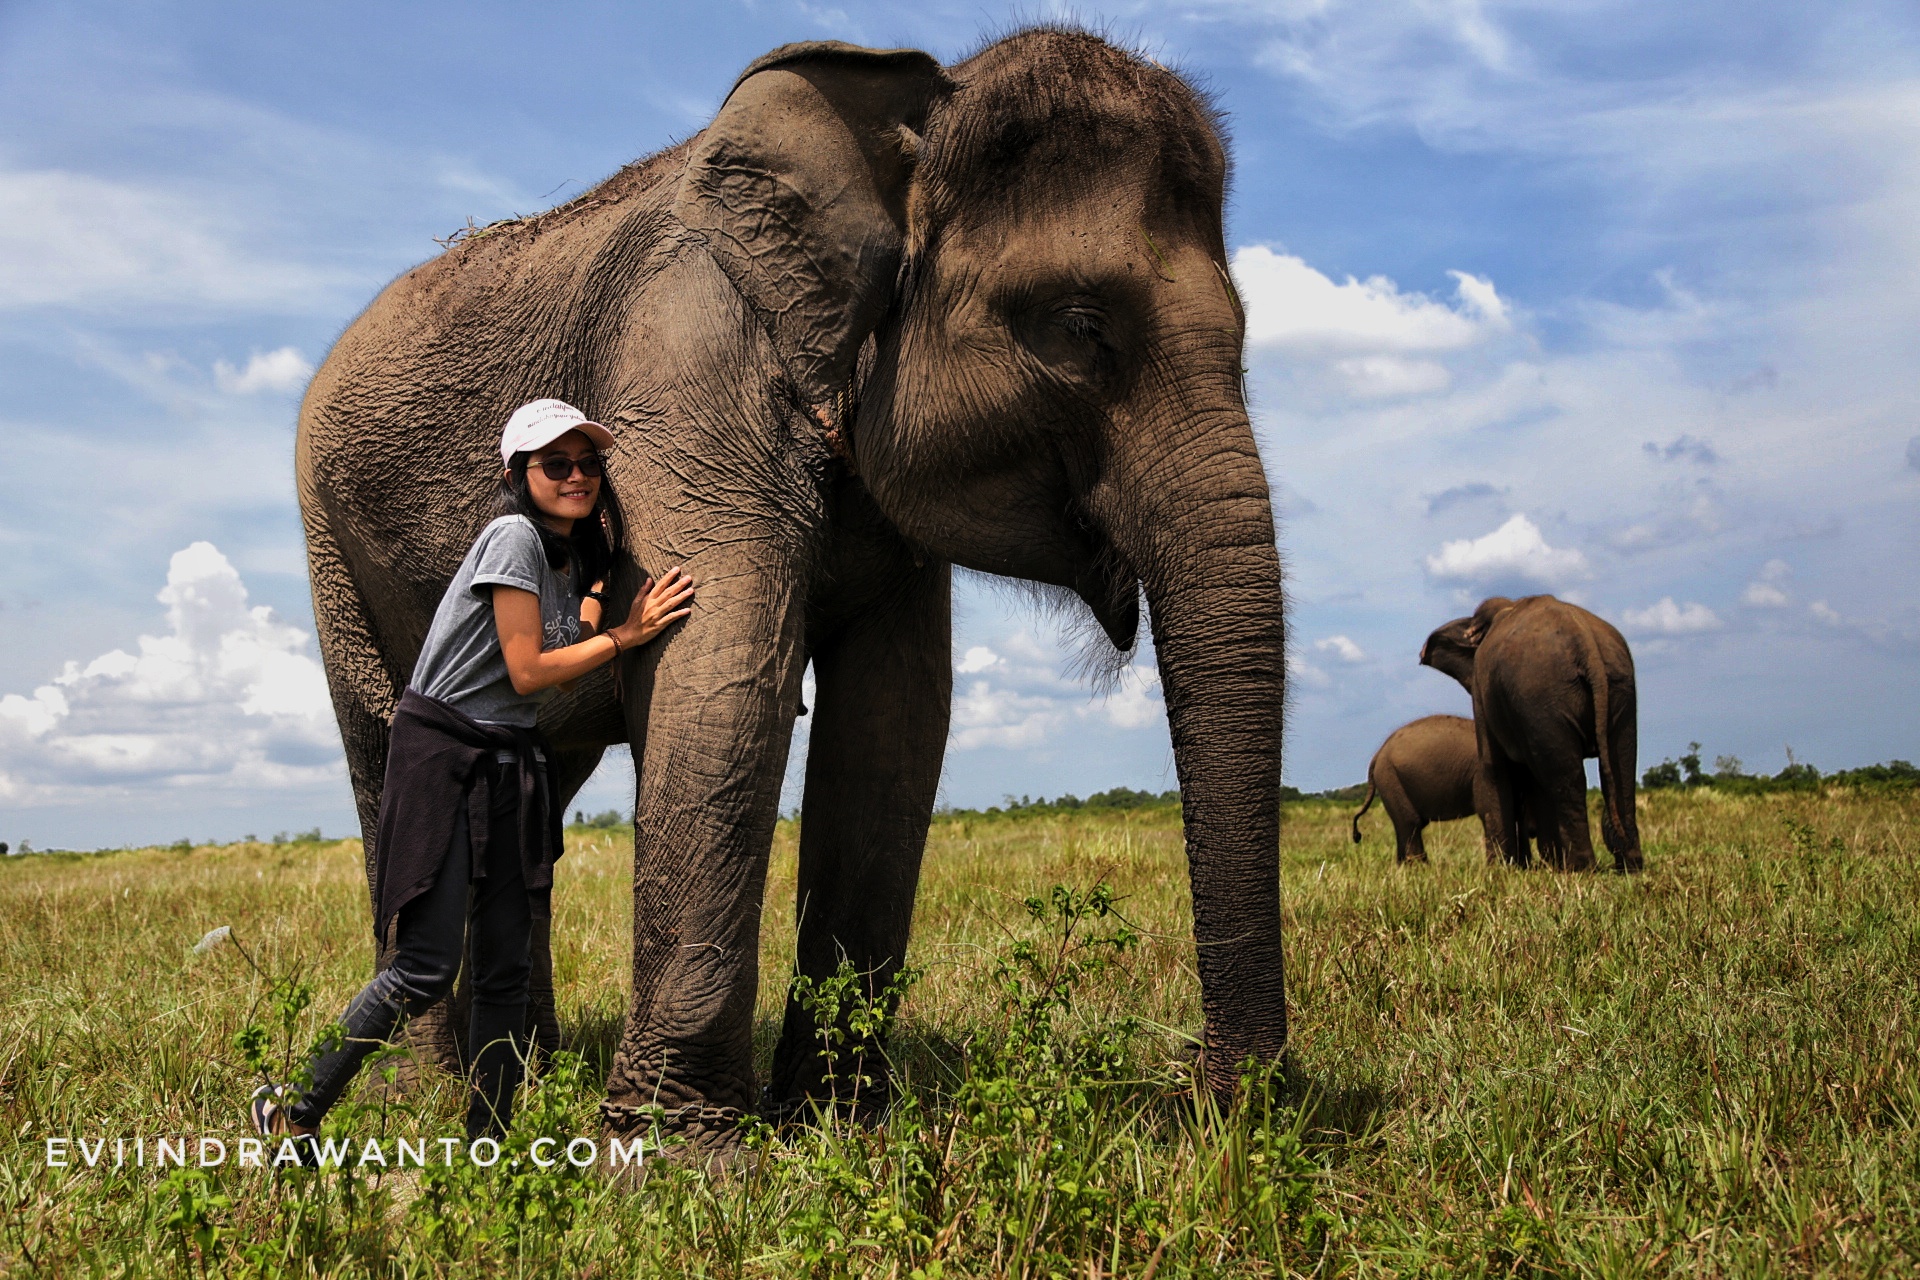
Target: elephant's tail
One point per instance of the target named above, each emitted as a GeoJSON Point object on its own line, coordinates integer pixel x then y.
{"type": "Point", "coordinates": [1602, 718]}
{"type": "Point", "coordinates": [1363, 808]}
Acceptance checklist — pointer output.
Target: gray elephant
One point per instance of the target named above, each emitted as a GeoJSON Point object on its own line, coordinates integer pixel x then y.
{"type": "Point", "coordinates": [1552, 685]}
{"type": "Point", "coordinates": [876, 319]}
{"type": "Point", "coordinates": [1423, 773]}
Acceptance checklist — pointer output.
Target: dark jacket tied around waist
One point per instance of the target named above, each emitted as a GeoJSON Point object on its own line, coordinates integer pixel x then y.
{"type": "Point", "coordinates": [438, 760]}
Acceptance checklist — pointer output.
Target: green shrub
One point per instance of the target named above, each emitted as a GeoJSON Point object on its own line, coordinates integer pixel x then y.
{"type": "Point", "coordinates": [605, 821]}
{"type": "Point", "coordinates": [1664, 775]}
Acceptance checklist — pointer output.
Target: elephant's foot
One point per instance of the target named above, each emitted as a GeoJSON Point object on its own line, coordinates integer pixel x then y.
{"type": "Point", "coordinates": [707, 1139]}
{"type": "Point", "coordinates": [868, 1108]}
{"type": "Point", "coordinates": [861, 1090]}
{"type": "Point", "coordinates": [1629, 862]}
{"type": "Point", "coordinates": [1225, 1084]}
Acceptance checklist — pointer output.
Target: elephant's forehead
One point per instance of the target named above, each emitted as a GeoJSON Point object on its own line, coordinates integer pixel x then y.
{"type": "Point", "coordinates": [1118, 231]}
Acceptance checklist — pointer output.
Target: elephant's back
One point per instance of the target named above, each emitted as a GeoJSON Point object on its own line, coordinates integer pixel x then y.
{"type": "Point", "coordinates": [1546, 638]}
{"type": "Point", "coordinates": [1429, 735]}
{"type": "Point", "coordinates": [396, 456]}
{"type": "Point", "coordinates": [1534, 674]}
{"type": "Point", "coordinates": [1531, 658]}
{"type": "Point", "coordinates": [511, 305]}
{"type": "Point", "coordinates": [1434, 758]}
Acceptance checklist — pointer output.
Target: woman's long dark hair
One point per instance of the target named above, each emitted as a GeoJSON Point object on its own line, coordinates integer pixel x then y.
{"type": "Point", "coordinates": [597, 539]}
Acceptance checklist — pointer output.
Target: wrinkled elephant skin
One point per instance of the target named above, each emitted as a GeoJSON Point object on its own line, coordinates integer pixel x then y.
{"type": "Point", "coordinates": [879, 318]}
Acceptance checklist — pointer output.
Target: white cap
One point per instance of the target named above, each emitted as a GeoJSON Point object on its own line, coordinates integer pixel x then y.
{"type": "Point", "coordinates": [538, 423]}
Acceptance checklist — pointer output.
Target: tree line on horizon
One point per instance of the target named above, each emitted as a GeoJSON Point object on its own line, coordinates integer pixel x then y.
{"type": "Point", "coordinates": [1728, 774]}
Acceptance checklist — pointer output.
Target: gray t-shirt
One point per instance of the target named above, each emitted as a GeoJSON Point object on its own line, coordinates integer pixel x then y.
{"type": "Point", "coordinates": [461, 664]}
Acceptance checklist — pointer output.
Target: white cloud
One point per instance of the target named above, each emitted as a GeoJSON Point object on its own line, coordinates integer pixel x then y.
{"type": "Point", "coordinates": [1135, 701]}
{"type": "Point", "coordinates": [1292, 306]}
{"type": "Point", "coordinates": [74, 240]}
{"type": "Point", "coordinates": [1025, 704]}
{"type": "Point", "coordinates": [1342, 648]}
{"type": "Point", "coordinates": [282, 370]}
{"type": "Point", "coordinates": [978, 658]}
{"type": "Point", "coordinates": [227, 698]}
{"type": "Point", "coordinates": [1479, 297]}
{"type": "Point", "coordinates": [1664, 617]}
{"type": "Point", "coordinates": [984, 716]}
{"type": "Point", "coordinates": [1298, 668]}
{"type": "Point", "coordinates": [1765, 591]}
{"type": "Point", "coordinates": [1379, 377]}
{"type": "Point", "coordinates": [1683, 448]}
{"type": "Point", "coordinates": [1826, 613]}
{"type": "Point", "coordinates": [1513, 553]}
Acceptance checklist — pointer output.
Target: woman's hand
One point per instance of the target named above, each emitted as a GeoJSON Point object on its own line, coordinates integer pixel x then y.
{"type": "Point", "coordinates": [516, 616]}
{"type": "Point", "coordinates": [663, 601]}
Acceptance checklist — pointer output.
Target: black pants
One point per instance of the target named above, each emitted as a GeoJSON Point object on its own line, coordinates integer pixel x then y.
{"type": "Point", "coordinates": [494, 914]}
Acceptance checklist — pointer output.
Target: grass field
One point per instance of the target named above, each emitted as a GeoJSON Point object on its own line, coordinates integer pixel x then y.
{"type": "Point", "coordinates": [1707, 1069]}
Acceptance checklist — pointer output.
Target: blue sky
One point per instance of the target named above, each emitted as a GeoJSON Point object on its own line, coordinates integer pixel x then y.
{"type": "Point", "coordinates": [1612, 299]}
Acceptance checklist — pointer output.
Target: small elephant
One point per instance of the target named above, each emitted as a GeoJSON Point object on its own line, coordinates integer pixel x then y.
{"type": "Point", "coordinates": [1422, 773]}
{"type": "Point", "coordinates": [1552, 685]}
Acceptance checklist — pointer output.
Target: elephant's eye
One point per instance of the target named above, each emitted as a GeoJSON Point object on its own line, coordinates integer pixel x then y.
{"type": "Point", "coordinates": [1071, 338]}
{"type": "Point", "coordinates": [1082, 322]}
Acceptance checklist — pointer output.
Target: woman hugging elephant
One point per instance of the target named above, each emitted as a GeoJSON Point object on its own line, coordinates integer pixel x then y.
{"type": "Point", "coordinates": [878, 318]}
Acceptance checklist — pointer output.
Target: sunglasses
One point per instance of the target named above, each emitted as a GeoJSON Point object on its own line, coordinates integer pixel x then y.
{"type": "Point", "coordinates": [559, 468]}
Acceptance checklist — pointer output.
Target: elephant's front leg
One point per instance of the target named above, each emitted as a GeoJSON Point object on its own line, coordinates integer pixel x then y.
{"type": "Point", "coordinates": [712, 713]}
{"type": "Point", "coordinates": [882, 694]}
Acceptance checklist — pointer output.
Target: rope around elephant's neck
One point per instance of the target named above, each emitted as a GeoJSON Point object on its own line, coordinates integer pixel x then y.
{"type": "Point", "coordinates": [832, 414]}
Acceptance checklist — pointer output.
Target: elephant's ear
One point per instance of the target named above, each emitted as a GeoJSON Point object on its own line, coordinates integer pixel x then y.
{"type": "Point", "coordinates": [1484, 617]}
{"type": "Point", "coordinates": [800, 187]}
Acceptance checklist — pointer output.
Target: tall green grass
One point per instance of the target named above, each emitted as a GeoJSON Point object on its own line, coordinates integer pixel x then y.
{"type": "Point", "coordinates": [1706, 1069]}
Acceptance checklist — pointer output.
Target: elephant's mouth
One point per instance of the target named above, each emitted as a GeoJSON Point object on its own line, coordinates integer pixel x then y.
{"type": "Point", "coordinates": [1111, 588]}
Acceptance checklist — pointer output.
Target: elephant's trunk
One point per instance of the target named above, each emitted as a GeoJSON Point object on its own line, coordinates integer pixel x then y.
{"type": "Point", "coordinates": [1203, 542]}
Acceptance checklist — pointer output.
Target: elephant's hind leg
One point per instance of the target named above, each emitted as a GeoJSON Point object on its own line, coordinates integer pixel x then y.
{"type": "Point", "coordinates": [1566, 840]}
{"type": "Point", "coordinates": [572, 767]}
{"type": "Point", "coordinates": [1497, 799]}
{"type": "Point", "coordinates": [1623, 841]}
{"type": "Point", "coordinates": [882, 695]}
{"type": "Point", "coordinates": [1414, 847]}
{"type": "Point", "coordinates": [1407, 822]}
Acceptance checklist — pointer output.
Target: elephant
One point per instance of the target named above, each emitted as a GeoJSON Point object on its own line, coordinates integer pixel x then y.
{"type": "Point", "coordinates": [877, 319]}
{"type": "Point", "coordinates": [1552, 685]}
{"type": "Point", "coordinates": [1422, 773]}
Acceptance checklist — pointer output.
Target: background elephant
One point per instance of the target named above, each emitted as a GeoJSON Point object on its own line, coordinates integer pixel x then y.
{"type": "Point", "coordinates": [1552, 684]}
{"type": "Point", "coordinates": [877, 318]}
{"type": "Point", "coordinates": [1422, 773]}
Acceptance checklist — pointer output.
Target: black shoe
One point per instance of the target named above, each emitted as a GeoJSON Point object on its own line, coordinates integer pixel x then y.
{"type": "Point", "coordinates": [268, 1113]}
